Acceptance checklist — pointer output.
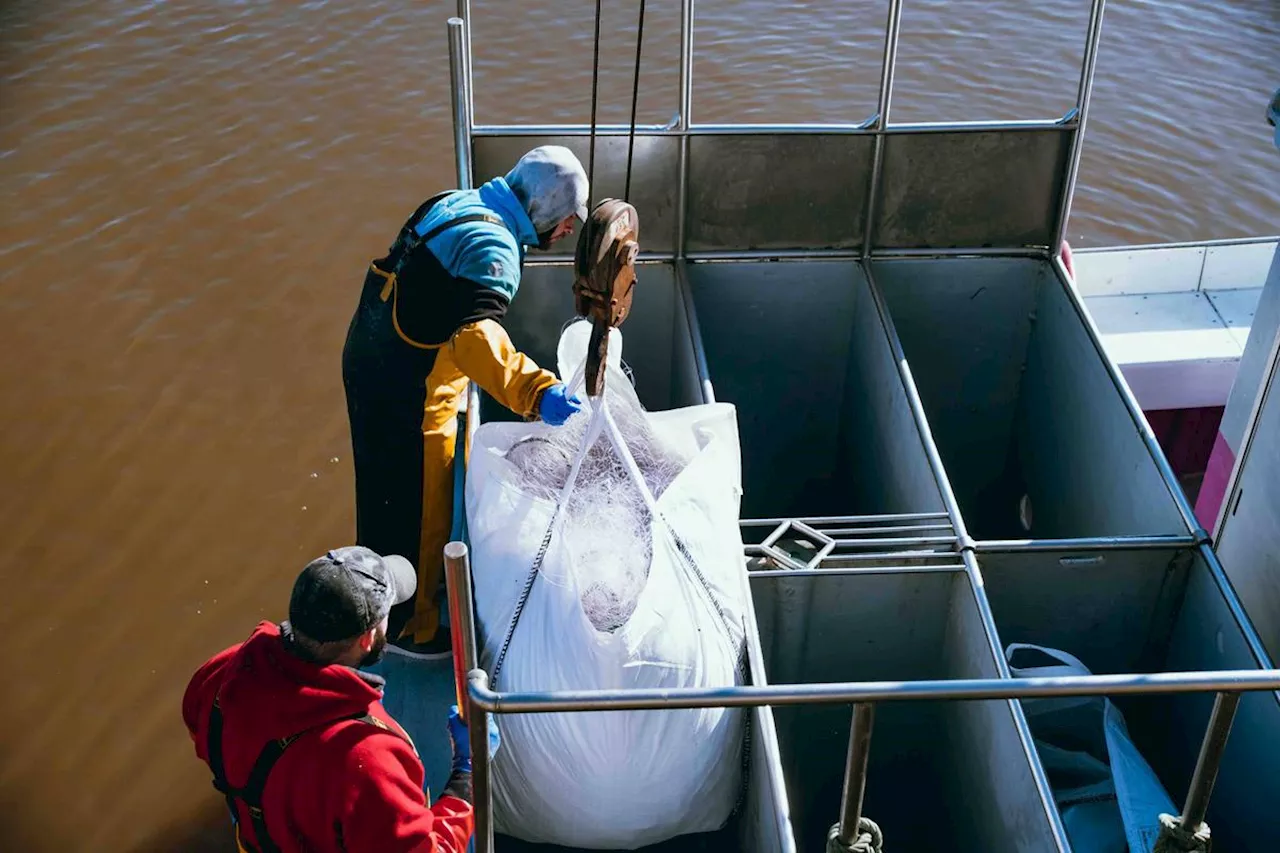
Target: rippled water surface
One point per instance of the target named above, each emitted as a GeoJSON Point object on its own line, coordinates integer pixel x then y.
{"type": "Point", "coordinates": [192, 190]}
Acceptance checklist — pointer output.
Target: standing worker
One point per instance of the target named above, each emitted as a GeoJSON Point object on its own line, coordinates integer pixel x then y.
{"type": "Point", "coordinates": [428, 320]}
{"type": "Point", "coordinates": [296, 735]}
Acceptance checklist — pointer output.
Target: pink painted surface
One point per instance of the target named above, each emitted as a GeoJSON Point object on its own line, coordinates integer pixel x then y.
{"type": "Point", "coordinates": [1186, 436]}
{"type": "Point", "coordinates": [1214, 487]}
{"type": "Point", "coordinates": [1067, 261]}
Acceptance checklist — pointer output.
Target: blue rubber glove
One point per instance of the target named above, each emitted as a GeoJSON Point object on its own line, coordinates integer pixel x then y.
{"type": "Point", "coordinates": [555, 407]}
{"type": "Point", "coordinates": [462, 741]}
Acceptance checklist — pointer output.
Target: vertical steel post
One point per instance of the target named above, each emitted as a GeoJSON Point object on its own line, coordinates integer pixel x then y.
{"type": "Point", "coordinates": [464, 12]}
{"type": "Point", "coordinates": [695, 334]}
{"type": "Point", "coordinates": [888, 66]}
{"type": "Point", "coordinates": [460, 80]}
{"type": "Point", "coordinates": [855, 774]}
{"type": "Point", "coordinates": [686, 63]}
{"type": "Point", "coordinates": [889, 62]}
{"type": "Point", "coordinates": [1209, 761]}
{"type": "Point", "coordinates": [481, 789]}
{"type": "Point", "coordinates": [684, 120]}
{"type": "Point", "coordinates": [461, 121]}
{"type": "Point", "coordinates": [462, 625]}
{"type": "Point", "coordinates": [462, 629]}
{"type": "Point", "coordinates": [1084, 91]}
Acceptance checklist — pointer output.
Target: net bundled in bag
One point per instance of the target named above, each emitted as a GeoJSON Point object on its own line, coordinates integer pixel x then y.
{"type": "Point", "coordinates": [641, 584]}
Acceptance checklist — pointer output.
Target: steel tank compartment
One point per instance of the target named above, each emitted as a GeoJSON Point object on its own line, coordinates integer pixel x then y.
{"type": "Point", "coordinates": [658, 350]}
{"type": "Point", "coordinates": [1035, 437]}
{"type": "Point", "coordinates": [941, 775]}
{"type": "Point", "coordinates": [1148, 610]}
{"type": "Point", "coordinates": [823, 416]}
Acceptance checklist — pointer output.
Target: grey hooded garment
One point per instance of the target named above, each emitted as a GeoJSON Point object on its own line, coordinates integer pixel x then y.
{"type": "Point", "coordinates": [551, 184]}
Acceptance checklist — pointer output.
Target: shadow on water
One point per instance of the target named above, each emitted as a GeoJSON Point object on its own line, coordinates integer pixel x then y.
{"type": "Point", "coordinates": [18, 828]}
{"type": "Point", "coordinates": [205, 829]}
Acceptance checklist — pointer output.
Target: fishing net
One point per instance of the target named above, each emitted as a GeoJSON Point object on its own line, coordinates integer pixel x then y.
{"type": "Point", "coordinates": [606, 521]}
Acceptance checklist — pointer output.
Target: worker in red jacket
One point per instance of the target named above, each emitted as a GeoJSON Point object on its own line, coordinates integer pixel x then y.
{"type": "Point", "coordinates": [296, 735]}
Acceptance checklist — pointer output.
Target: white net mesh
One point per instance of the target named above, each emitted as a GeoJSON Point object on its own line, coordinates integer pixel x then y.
{"type": "Point", "coordinates": [606, 524]}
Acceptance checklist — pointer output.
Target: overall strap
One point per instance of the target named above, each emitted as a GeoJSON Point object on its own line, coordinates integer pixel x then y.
{"type": "Point", "coordinates": [251, 793]}
{"type": "Point", "coordinates": [409, 240]}
{"type": "Point", "coordinates": [405, 246]}
{"type": "Point", "coordinates": [213, 747]}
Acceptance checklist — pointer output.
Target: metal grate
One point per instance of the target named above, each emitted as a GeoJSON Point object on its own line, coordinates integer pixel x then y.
{"type": "Point", "coordinates": [915, 541]}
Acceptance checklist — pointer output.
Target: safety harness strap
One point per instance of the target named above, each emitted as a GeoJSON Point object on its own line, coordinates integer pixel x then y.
{"type": "Point", "coordinates": [406, 244]}
{"type": "Point", "coordinates": [251, 793]}
{"type": "Point", "coordinates": [409, 240]}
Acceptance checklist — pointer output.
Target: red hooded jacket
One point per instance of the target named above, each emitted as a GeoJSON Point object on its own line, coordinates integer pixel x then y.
{"type": "Point", "coordinates": [345, 787]}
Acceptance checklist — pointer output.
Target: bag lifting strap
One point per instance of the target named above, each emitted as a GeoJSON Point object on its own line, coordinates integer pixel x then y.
{"type": "Point", "coordinates": [251, 793]}
{"type": "Point", "coordinates": [408, 241]}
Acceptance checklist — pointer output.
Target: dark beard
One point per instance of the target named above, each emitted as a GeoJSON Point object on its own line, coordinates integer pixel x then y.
{"type": "Point", "coordinates": [375, 654]}
{"type": "Point", "coordinates": [544, 239]}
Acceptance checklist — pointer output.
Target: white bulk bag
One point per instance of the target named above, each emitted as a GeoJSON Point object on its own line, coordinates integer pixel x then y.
{"type": "Point", "coordinates": [613, 780]}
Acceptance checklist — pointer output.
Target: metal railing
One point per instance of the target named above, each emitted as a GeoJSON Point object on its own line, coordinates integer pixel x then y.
{"type": "Point", "coordinates": [480, 701]}
{"type": "Point", "coordinates": [878, 125]}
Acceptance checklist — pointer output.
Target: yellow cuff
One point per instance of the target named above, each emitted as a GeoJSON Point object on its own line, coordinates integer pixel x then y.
{"type": "Point", "coordinates": [484, 352]}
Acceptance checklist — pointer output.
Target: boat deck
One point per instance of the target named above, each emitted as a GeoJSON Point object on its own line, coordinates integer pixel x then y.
{"type": "Point", "coordinates": [1175, 318]}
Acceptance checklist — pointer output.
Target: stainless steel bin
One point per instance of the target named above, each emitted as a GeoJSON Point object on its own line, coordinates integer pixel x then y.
{"type": "Point", "coordinates": [823, 416]}
{"type": "Point", "coordinates": [942, 775]}
{"type": "Point", "coordinates": [1126, 610]}
{"type": "Point", "coordinates": [1034, 434]}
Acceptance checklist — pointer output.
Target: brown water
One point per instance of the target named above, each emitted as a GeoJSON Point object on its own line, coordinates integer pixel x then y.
{"type": "Point", "coordinates": [192, 190]}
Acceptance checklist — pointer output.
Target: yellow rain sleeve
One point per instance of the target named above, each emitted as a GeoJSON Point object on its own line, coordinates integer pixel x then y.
{"type": "Point", "coordinates": [484, 352]}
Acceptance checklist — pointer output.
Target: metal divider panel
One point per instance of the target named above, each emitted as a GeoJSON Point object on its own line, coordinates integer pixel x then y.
{"type": "Point", "coordinates": [817, 628]}
{"type": "Point", "coordinates": [777, 191]}
{"type": "Point", "coordinates": [1087, 470]}
{"type": "Point", "coordinates": [655, 177]}
{"type": "Point", "coordinates": [964, 325]}
{"type": "Point", "coordinates": [882, 455]}
{"type": "Point", "coordinates": [971, 189]}
{"type": "Point", "coordinates": [992, 773]}
{"type": "Point", "coordinates": [777, 345]}
{"type": "Point", "coordinates": [1113, 609]}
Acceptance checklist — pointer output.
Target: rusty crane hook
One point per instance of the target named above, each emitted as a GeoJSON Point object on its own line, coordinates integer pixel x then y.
{"type": "Point", "coordinates": [604, 279]}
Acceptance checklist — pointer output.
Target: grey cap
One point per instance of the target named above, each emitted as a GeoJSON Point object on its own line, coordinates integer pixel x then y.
{"type": "Point", "coordinates": [347, 591]}
{"type": "Point", "coordinates": [551, 184]}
